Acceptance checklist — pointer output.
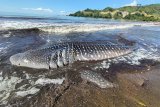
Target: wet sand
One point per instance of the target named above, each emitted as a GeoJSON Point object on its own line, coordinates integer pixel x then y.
{"type": "Point", "coordinates": [136, 87]}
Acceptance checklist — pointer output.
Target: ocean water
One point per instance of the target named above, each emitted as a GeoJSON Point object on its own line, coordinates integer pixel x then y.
{"type": "Point", "coordinates": [19, 34]}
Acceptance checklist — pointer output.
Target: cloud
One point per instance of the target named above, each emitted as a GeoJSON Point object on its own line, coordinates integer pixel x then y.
{"type": "Point", "coordinates": [39, 9]}
{"type": "Point", "coordinates": [62, 12]}
{"type": "Point", "coordinates": [134, 3]}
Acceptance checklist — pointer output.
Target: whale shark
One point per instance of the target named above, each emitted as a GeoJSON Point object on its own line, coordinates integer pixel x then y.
{"type": "Point", "coordinates": [62, 54]}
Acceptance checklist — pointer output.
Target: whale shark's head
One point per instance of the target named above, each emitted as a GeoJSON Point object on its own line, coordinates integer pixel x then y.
{"type": "Point", "coordinates": [16, 59]}
{"type": "Point", "coordinates": [30, 60]}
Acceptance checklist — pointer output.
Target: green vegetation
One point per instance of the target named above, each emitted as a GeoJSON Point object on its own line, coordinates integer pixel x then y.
{"type": "Point", "coordinates": [108, 9]}
{"type": "Point", "coordinates": [118, 15]}
{"type": "Point", "coordinates": [139, 13]}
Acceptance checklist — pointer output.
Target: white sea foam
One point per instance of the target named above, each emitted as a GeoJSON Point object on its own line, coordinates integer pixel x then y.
{"type": "Point", "coordinates": [83, 28]}
{"type": "Point", "coordinates": [103, 65]}
{"type": "Point", "coordinates": [27, 92]}
{"type": "Point", "coordinates": [32, 90]}
{"type": "Point", "coordinates": [44, 81]}
{"type": "Point", "coordinates": [7, 86]}
{"type": "Point", "coordinates": [5, 25]}
{"type": "Point", "coordinates": [90, 27]}
{"type": "Point", "coordinates": [40, 81]}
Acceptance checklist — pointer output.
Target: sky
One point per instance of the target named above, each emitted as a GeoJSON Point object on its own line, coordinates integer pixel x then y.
{"type": "Point", "coordinates": [62, 7]}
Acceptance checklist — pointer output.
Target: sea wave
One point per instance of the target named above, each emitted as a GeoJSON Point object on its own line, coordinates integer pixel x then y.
{"type": "Point", "coordinates": [83, 28]}
{"type": "Point", "coordinates": [12, 25]}
{"type": "Point", "coordinates": [66, 27]}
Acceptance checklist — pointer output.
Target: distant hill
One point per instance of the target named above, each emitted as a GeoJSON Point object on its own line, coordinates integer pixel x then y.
{"type": "Point", "coordinates": [139, 13]}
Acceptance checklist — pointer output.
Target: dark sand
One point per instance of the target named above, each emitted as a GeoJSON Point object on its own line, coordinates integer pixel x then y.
{"type": "Point", "coordinates": [137, 87]}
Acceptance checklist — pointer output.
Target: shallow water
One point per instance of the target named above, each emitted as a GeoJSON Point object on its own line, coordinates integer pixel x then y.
{"type": "Point", "coordinates": [22, 34]}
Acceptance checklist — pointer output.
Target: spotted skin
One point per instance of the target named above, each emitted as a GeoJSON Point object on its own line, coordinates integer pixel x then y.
{"type": "Point", "coordinates": [59, 55]}
{"type": "Point", "coordinates": [97, 79]}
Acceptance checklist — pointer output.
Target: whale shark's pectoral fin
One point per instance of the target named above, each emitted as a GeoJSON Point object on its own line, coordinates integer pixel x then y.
{"type": "Point", "coordinates": [97, 79]}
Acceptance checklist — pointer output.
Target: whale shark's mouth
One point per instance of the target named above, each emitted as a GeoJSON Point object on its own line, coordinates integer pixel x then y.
{"type": "Point", "coordinates": [24, 60]}
{"type": "Point", "coordinates": [16, 59]}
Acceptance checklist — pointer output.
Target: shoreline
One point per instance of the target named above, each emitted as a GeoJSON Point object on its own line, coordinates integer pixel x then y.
{"type": "Point", "coordinates": [117, 19]}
